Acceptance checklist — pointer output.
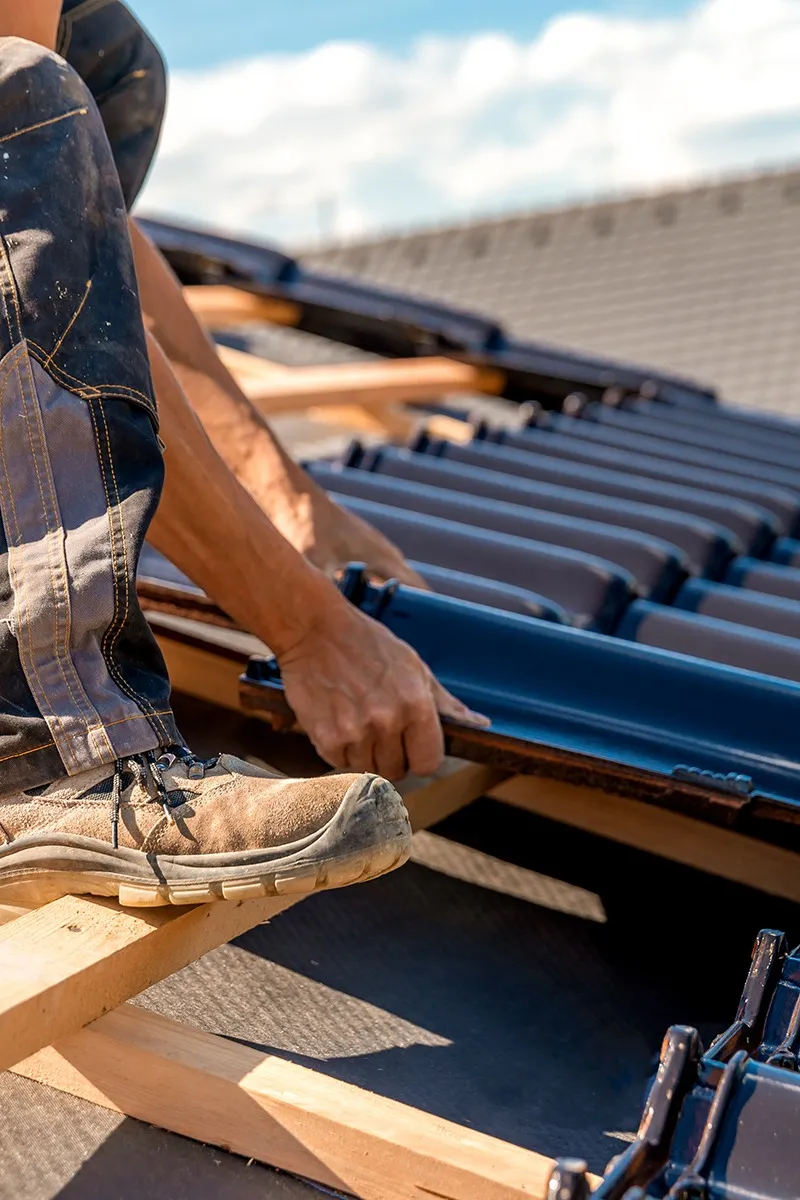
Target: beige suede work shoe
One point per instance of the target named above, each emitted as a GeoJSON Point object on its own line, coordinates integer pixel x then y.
{"type": "Point", "coordinates": [176, 829]}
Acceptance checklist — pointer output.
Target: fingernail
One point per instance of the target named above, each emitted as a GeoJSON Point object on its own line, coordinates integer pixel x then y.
{"type": "Point", "coordinates": [480, 719]}
{"type": "Point", "coordinates": [468, 717]}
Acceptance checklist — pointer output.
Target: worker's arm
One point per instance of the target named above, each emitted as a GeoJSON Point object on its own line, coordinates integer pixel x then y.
{"type": "Point", "coordinates": [36, 20]}
{"type": "Point", "coordinates": [365, 699]}
{"type": "Point", "coordinates": [296, 506]}
{"type": "Point", "coordinates": [301, 511]}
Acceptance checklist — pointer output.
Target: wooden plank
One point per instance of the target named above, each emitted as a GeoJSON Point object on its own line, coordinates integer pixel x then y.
{"type": "Point", "coordinates": [391, 421]}
{"type": "Point", "coordinates": [449, 428]}
{"type": "Point", "coordinates": [250, 367]}
{"type": "Point", "coordinates": [275, 390]}
{"type": "Point", "coordinates": [674, 836]}
{"type": "Point", "coordinates": [368, 403]}
{"type": "Point", "coordinates": [65, 964]}
{"type": "Point", "coordinates": [388, 421]}
{"type": "Point", "coordinates": [265, 1108]}
{"type": "Point", "coordinates": [456, 784]}
{"type": "Point", "coordinates": [203, 674]}
{"type": "Point", "coordinates": [219, 306]}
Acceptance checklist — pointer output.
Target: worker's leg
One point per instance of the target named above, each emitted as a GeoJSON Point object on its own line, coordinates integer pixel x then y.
{"type": "Point", "coordinates": [85, 805]}
{"type": "Point", "coordinates": [83, 682]}
{"type": "Point", "coordinates": [124, 71]}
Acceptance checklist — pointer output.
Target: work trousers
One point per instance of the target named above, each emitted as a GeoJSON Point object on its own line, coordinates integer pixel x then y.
{"type": "Point", "coordinates": [82, 681]}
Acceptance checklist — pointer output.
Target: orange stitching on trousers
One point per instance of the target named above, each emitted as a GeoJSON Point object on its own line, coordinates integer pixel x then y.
{"type": "Point", "coordinates": [151, 409]}
{"type": "Point", "coordinates": [91, 730]}
{"type": "Point", "coordinates": [72, 321]}
{"type": "Point", "coordinates": [143, 703]}
{"type": "Point", "coordinates": [35, 750]}
{"type": "Point", "coordinates": [75, 112]}
{"type": "Point", "coordinates": [56, 639]}
{"type": "Point", "coordinates": [46, 706]}
{"type": "Point", "coordinates": [163, 712]}
{"type": "Point", "coordinates": [110, 664]}
{"type": "Point", "coordinates": [52, 745]}
{"type": "Point", "coordinates": [84, 711]}
{"type": "Point", "coordinates": [90, 391]}
{"type": "Point", "coordinates": [87, 710]}
{"type": "Point", "coordinates": [138, 73]}
{"type": "Point", "coordinates": [57, 719]}
{"type": "Point", "coordinates": [13, 289]}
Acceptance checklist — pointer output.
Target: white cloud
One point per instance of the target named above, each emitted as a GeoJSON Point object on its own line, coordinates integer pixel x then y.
{"type": "Point", "coordinates": [349, 139]}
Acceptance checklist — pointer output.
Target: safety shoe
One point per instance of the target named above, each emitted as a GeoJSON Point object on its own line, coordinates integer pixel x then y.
{"type": "Point", "coordinates": [177, 829]}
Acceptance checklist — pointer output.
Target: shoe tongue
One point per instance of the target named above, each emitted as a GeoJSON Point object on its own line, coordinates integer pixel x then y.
{"type": "Point", "coordinates": [104, 788]}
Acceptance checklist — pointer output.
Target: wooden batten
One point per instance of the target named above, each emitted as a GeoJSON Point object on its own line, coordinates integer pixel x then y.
{"type": "Point", "coordinates": [671, 835]}
{"type": "Point", "coordinates": [274, 389]}
{"type": "Point", "coordinates": [219, 306]}
{"type": "Point", "coordinates": [250, 369]}
{"type": "Point", "coordinates": [65, 964]}
{"type": "Point", "coordinates": [263, 1107]}
{"type": "Point", "coordinates": [200, 672]}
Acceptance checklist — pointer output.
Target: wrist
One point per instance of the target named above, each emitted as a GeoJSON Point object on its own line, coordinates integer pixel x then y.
{"type": "Point", "coordinates": [298, 611]}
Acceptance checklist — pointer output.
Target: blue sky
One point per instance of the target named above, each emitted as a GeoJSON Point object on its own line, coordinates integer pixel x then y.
{"type": "Point", "coordinates": [330, 119]}
{"type": "Point", "coordinates": [201, 33]}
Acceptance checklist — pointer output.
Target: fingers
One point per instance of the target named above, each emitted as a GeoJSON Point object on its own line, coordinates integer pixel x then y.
{"type": "Point", "coordinates": [449, 706]}
{"type": "Point", "coordinates": [390, 758]}
{"type": "Point", "coordinates": [391, 735]}
{"type": "Point", "coordinates": [370, 739]}
{"type": "Point", "coordinates": [382, 750]}
{"type": "Point", "coordinates": [424, 744]}
{"type": "Point", "coordinates": [390, 564]}
{"type": "Point", "coordinates": [394, 738]}
{"type": "Point", "coordinates": [404, 573]}
{"type": "Point", "coordinates": [360, 756]}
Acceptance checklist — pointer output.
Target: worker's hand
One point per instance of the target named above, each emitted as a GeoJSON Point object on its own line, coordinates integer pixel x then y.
{"type": "Point", "coordinates": [330, 538]}
{"type": "Point", "coordinates": [366, 700]}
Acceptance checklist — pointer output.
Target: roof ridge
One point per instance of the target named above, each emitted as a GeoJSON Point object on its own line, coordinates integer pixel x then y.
{"type": "Point", "coordinates": [611, 199]}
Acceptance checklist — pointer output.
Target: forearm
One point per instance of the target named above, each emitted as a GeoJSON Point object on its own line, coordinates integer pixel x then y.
{"type": "Point", "coordinates": [214, 531]}
{"type": "Point", "coordinates": [35, 20]}
{"type": "Point", "coordinates": [298, 508]}
{"type": "Point", "coordinates": [239, 432]}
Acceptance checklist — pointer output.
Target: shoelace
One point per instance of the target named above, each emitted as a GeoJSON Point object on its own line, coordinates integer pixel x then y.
{"type": "Point", "coordinates": [148, 771]}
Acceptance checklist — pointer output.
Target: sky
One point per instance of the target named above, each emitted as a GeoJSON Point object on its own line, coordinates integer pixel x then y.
{"type": "Point", "coordinates": [332, 119]}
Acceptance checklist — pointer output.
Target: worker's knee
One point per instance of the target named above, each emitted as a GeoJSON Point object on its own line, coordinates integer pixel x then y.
{"type": "Point", "coordinates": [36, 83]}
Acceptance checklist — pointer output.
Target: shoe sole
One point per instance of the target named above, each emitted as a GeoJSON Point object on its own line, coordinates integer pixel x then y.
{"type": "Point", "coordinates": [368, 836]}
